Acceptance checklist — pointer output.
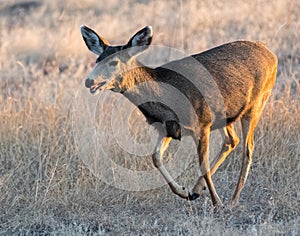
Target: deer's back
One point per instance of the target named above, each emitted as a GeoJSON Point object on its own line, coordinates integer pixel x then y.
{"type": "Point", "coordinates": [223, 82]}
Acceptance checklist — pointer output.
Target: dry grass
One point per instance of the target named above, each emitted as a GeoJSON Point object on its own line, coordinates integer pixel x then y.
{"type": "Point", "coordinates": [46, 188]}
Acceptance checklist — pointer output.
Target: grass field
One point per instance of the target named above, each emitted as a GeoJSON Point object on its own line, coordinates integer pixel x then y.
{"type": "Point", "coordinates": [47, 188]}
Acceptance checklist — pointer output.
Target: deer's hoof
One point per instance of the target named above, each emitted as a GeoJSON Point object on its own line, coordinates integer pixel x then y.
{"type": "Point", "coordinates": [193, 196]}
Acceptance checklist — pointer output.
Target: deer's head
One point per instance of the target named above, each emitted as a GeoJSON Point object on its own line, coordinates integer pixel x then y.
{"type": "Point", "coordinates": [112, 61]}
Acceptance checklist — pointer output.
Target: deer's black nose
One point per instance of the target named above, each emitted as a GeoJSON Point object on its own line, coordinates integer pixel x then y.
{"type": "Point", "coordinates": [89, 83]}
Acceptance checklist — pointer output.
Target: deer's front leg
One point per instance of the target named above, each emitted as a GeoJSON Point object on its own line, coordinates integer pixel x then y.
{"type": "Point", "coordinates": [203, 153]}
{"type": "Point", "coordinates": [231, 140]}
{"type": "Point", "coordinates": [162, 145]}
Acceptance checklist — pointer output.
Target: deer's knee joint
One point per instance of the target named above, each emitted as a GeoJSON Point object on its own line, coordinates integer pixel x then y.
{"type": "Point", "coordinates": [249, 154]}
{"type": "Point", "coordinates": [234, 142]}
{"type": "Point", "coordinates": [156, 160]}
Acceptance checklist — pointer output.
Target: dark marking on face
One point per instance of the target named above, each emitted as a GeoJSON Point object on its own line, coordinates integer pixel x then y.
{"type": "Point", "coordinates": [108, 52]}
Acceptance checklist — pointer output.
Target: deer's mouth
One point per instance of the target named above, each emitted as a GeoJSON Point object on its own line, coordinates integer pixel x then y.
{"type": "Point", "coordinates": [96, 87]}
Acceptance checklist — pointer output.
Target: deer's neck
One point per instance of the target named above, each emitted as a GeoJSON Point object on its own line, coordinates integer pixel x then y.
{"type": "Point", "coordinates": [136, 76]}
{"type": "Point", "coordinates": [139, 84]}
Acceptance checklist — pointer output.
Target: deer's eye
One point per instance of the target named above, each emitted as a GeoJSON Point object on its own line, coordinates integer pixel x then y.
{"type": "Point", "coordinates": [113, 63]}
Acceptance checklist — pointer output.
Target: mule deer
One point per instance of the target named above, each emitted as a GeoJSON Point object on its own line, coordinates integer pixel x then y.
{"type": "Point", "coordinates": [243, 72]}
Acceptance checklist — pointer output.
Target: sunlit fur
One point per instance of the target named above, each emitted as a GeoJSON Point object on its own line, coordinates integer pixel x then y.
{"type": "Point", "coordinates": [244, 74]}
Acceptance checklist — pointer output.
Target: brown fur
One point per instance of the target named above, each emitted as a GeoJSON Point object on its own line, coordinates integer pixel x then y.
{"type": "Point", "coordinates": [224, 84]}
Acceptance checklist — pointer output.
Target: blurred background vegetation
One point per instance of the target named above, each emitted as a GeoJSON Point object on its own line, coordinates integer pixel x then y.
{"type": "Point", "coordinates": [45, 188]}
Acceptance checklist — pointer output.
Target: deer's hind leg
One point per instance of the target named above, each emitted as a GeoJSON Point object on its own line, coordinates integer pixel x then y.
{"type": "Point", "coordinates": [249, 122]}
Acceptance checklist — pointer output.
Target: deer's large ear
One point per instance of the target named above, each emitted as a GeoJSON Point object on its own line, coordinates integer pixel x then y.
{"type": "Point", "coordinates": [140, 41]}
{"type": "Point", "coordinates": [93, 41]}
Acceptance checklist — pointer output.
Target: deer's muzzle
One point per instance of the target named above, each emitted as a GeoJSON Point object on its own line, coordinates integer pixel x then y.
{"type": "Point", "coordinates": [96, 87]}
